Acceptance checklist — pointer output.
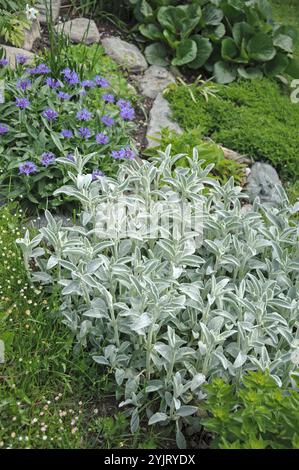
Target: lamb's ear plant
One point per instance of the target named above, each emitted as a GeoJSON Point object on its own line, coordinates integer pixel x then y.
{"type": "Point", "coordinates": [165, 313]}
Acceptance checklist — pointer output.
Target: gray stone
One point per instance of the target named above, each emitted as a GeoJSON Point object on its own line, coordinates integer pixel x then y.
{"type": "Point", "coordinates": [246, 208]}
{"type": "Point", "coordinates": [80, 30]}
{"type": "Point", "coordinates": [125, 54]}
{"type": "Point", "coordinates": [262, 183]}
{"type": "Point", "coordinates": [160, 117]}
{"type": "Point", "coordinates": [12, 52]}
{"type": "Point", "coordinates": [237, 157]}
{"type": "Point", "coordinates": [31, 35]}
{"type": "Point", "coordinates": [44, 6]}
{"type": "Point", "coordinates": [155, 80]}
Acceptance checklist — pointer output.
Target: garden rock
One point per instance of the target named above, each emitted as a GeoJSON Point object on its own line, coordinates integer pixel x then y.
{"type": "Point", "coordinates": [80, 30]}
{"type": "Point", "coordinates": [155, 80]}
{"type": "Point", "coordinates": [45, 6]}
{"type": "Point", "coordinates": [262, 183]}
{"type": "Point", "coordinates": [31, 35]}
{"type": "Point", "coordinates": [12, 52]}
{"type": "Point", "coordinates": [160, 117]}
{"type": "Point", "coordinates": [125, 54]}
{"type": "Point", "coordinates": [246, 208]}
{"type": "Point", "coordinates": [232, 155]}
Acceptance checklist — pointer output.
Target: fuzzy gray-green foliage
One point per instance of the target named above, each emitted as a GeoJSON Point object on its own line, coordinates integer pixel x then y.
{"type": "Point", "coordinates": [166, 316]}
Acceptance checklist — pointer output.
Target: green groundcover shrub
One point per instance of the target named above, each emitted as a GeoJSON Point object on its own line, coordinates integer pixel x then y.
{"type": "Point", "coordinates": [44, 117]}
{"type": "Point", "coordinates": [293, 192]}
{"type": "Point", "coordinates": [166, 312]}
{"type": "Point", "coordinates": [251, 117]}
{"type": "Point", "coordinates": [260, 415]}
{"type": "Point", "coordinates": [209, 152]}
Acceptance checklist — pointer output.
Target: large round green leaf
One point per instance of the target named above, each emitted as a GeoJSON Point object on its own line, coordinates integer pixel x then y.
{"type": "Point", "coordinates": [150, 31]}
{"type": "Point", "coordinates": [260, 47]}
{"type": "Point", "coordinates": [156, 54]}
{"type": "Point", "coordinates": [204, 50]}
{"type": "Point", "coordinates": [243, 59]}
{"type": "Point", "coordinates": [253, 17]}
{"type": "Point", "coordinates": [284, 42]}
{"type": "Point", "coordinates": [225, 73]}
{"type": "Point", "coordinates": [233, 10]}
{"type": "Point", "coordinates": [212, 15]}
{"type": "Point", "coordinates": [170, 18]}
{"type": "Point", "coordinates": [170, 39]}
{"type": "Point", "coordinates": [276, 66]}
{"type": "Point", "coordinates": [229, 50]}
{"type": "Point", "coordinates": [288, 31]}
{"type": "Point", "coordinates": [146, 9]}
{"type": "Point", "coordinates": [192, 14]}
{"type": "Point", "coordinates": [293, 69]}
{"type": "Point", "coordinates": [180, 20]}
{"type": "Point", "coordinates": [214, 33]}
{"type": "Point", "coordinates": [250, 73]}
{"type": "Point", "coordinates": [242, 31]}
{"type": "Point", "coordinates": [265, 8]}
{"type": "Point", "coordinates": [185, 52]}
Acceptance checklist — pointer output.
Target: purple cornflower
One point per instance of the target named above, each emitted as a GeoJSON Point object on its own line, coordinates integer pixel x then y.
{"type": "Point", "coordinates": [126, 153]}
{"type": "Point", "coordinates": [27, 168]}
{"type": "Point", "coordinates": [52, 82]}
{"type": "Point", "coordinates": [124, 104]}
{"type": "Point", "coordinates": [102, 138]}
{"type": "Point", "coordinates": [50, 114]}
{"type": "Point", "coordinates": [66, 72]}
{"type": "Point", "coordinates": [3, 62]}
{"type": "Point", "coordinates": [84, 115]}
{"type": "Point", "coordinates": [130, 154]}
{"type": "Point", "coordinates": [22, 103]}
{"type": "Point", "coordinates": [84, 132]}
{"type": "Point", "coordinates": [102, 82]}
{"type": "Point", "coordinates": [42, 69]}
{"type": "Point", "coordinates": [73, 79]}
{"type": "Point", "coordinates": [47, 158]}
{"type": "Point", "coordinates": [63, 96]}
{"type": "Point", "coordinates": [96, 174]}
{"type": "Point", "coordinates": [108, 98]}
{"type": "Point", "coordinates": [107, 120]}
{"type": "Point", "coordinates": [71, 76]}
{"type": "Point", "coordinates": [88, 84]}
{"type": "Point", "coordinates": [67, 133]}
{"type": "Point", "coordinates": [3, 129]}
{"type": "Point", "coordinates": [82, 92]}
{"type": "Point", "coordinates": [128, 114]}
{"type": "Point", "coordinates": [23, 83]}
{"type": "Point", "coordinates": [118, 154]}
{"type": "Point", "coordinates": [21, 59]}
{"type": "Point", "coordinates": [30, 71]}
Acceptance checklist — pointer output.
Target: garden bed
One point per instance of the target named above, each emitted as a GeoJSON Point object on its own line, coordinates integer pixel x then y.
{"type": "Point", "coordinates": [188, 338]}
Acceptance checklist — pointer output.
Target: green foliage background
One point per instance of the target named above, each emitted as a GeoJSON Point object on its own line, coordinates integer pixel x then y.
{"type": "Point", "coordinates": [259, 415]}
{"type": "Point", "coordinates": [252, 117]}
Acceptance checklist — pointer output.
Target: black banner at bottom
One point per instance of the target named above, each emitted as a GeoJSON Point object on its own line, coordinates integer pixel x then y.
{"type": "Point", "coordinates": [135, 459]}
